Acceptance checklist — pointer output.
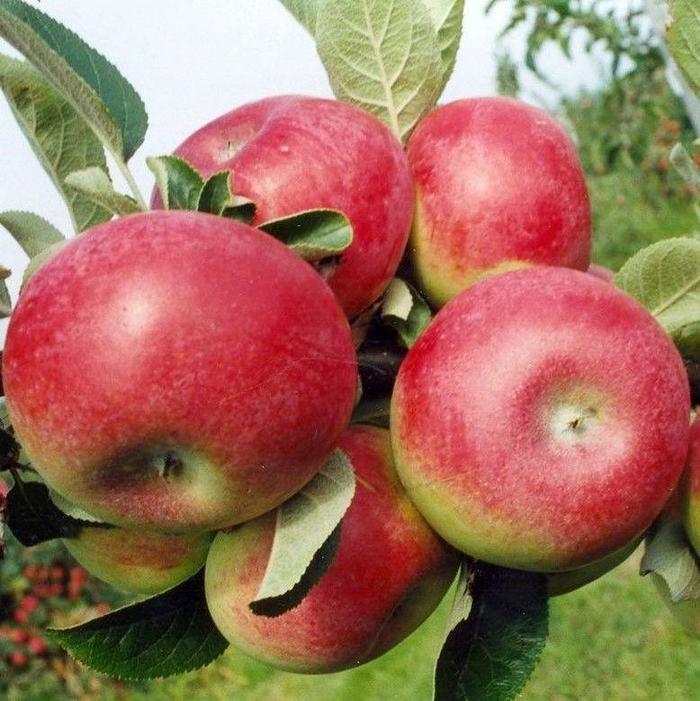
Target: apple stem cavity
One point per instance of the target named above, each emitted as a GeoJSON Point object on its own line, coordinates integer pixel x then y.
{"type": "Point", "coordinates": [570, 422]}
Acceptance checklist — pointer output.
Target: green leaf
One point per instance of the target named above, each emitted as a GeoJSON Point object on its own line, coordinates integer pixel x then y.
{"type": "Point", "coordinates": [96, 186]}
{"type": "Point", "coordinates": [216, 194]}
{"type": "Point", "coordinates": [304, 11]}
{"type": "Point", "coordinates": [669, 554]}
{"type": "Point", "coordinates": [684, 39]}
{"type": "Point", "coordinates": [33, 518]}
{"type": "Point", "coordinates": [33, 233]}
{"type": "Point", "coordinates": [685, 165]}
{"type": "Point", "coordinates": [179, 183]}
{"type": "Point", "coordinates": [217, 197]}
{"type": "Point", "coordinates": [665, 278]}
{"type": "Point", "coordinates": [307, 533]}
{"type": "Point", "coordinates": [406, 311]}
{"type": "Point", "coordinates": [447, 17]}
{"type": "Point", "coordinates": [5, 299]}
{"type": "Point", "coordinates": [383, 56]}
{"type": "Point", "coordinates": [315, 234]}
{"type": "Point", "coordinates": [496, 634]}
{"type": "Point", "coordinates": [372, 413]}
{"type": "Point", "coordinates": [168, 634]}
{"type": "Point", "coordinates": [57, 134]}
{"type": "Point", "coordinates": [95, 88]}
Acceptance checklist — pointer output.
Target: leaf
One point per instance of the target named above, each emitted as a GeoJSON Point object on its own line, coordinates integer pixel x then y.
{"type": "Point", "coordinates": [98, 92]}
{"type": "Point", "coordinates": [314, 234]}
{"type": "Point", "coordinates": [179, 183]}
{"type": "Point", "coordinates": [304, 11]}
{"type": "Point", "coordinates": [33, 233]}
{"type": "Point", "coordinates": [383, 56]}
{"type": "Point", "coordinates": [447, 17]}
{"type": "Point", "coordinates": [96, 186]}
{"type": "Point", "coordinates": [497, 631]}
{"type": "Point", "coordinates": [372, 413]}
{"type": "Point", "coordinates": [9, 448]}
{"type": "Point", "coordinates": [216, 194]}
{"type": "Point", "coordinates": [406, 311]}
{"type": "Point", "coordinates": [684, 39]}
{"type": "Point", "coordinates": [168, 634]}
{"type": "Point", "coordinates": [5, 299]}
{"type": "Point", "coordinates": [670, 555]}
{"type": "Point", "coordinates": [33, 518]}
{"type": "Point", "coordinates": [665, 278]}
{"type": "Point", "coordinates": [58, 136]}
{"type": "Point", "coordinates": [307, 533]}
{"type": "Point", "coordinates": [217, 197]}
{"type": "Point", "coordinates": [685, 165]}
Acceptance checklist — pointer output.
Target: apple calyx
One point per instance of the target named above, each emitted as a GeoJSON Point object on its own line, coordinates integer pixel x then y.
{"type": "Point", "coordinates": [569, 423]}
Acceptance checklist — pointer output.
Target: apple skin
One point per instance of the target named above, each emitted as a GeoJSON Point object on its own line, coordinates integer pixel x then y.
{"type": "Point", "coordinates": [162, 372]}
{"type": "Point", "coordinates": [139, 561]}
{"type": "Point", "coordinates": [499, 186]}
{"type": "Point", "coordinates": [601, 272]}
{"type": "Point", "coordinates": [292, 153]}
{"type": "Point", "coordinates": [690, 489]}
{"type": "Point", "coordinates": [541, 420]}
{"type": "Point", "coordinates": [389, 573]}
{"type": "Point", "coordinates": [559, 583]}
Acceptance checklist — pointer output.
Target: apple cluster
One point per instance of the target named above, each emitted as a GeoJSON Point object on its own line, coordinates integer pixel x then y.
{"type": "Point", "coordinates": [180, 375]}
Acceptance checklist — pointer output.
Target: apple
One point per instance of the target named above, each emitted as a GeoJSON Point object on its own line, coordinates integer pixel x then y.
{"type": "Point", "coordinates": [498, 186]}
{"type": "Point", "coordinates": [559, 583]}
{"type": "Point", "coordinates": [293, 153]}
{"type": "Point", "coordinates": [541, 420]}
{"type": "Point", "coordinates": [177, 371]}
{"type": "Point", "coordinates": [690, 492]}
{"type": "Point", "coordinates": [389, 573]}
{"type": "Point", "coordinates": [139, 561]}
{"type": "Point", "coordinates": [600, 271]}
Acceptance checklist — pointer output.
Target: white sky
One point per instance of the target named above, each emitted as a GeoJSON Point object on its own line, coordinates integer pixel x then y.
{"type": "Point", "coordinates": [194, 61]}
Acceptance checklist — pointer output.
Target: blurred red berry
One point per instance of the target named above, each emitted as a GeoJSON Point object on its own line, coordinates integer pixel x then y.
{"type": "Point", "coordinates": [18, 659]}
{"type": "Point", "coordinates": [29, 603]}
{"type": "Point", "coordinates": [37, 645]}
{"type": "Point", "coordinates": [57, 573]}
{"type": "Point", "coordinates": [21, 616]}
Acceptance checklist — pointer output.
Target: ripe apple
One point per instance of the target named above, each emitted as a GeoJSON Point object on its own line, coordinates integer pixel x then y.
{"type": "Point", "coordinates": [541, 420]}
{"type": "Point", "coordinates": [163, 371]}
{"type": "Point", "coordinates": [498, 186]}
{"type": "Point", "coordinates": [600, 271]}
{"type": "Point", "coordinates": [559, 583]}
{"type": "Point", "coordinates": [293, 153]}
{"type": "Point", "coordinates": [388, 575]}
{"type": "Point", "coordinates": [690, 489]}
{"type": "Point", "coordinates": [139, 561]}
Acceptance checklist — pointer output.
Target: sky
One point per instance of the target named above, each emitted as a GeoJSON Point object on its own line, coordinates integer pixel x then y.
{"type": "Point", "coordinates": [196, 61]}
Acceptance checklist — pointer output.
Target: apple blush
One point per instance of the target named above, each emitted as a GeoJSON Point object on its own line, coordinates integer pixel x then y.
{"type": "Point", "coordinates": [541, 420]}
{"type": "Point", "coordinates": [389, 573]}
{"type": "Point", "coordinates": [292, 153]}
{"type": "Point", "coordinates": [178, 371]}
{"type": "Point", "coordinates": [498, 186]}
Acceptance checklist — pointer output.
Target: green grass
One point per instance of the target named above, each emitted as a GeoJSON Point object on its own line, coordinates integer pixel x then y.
{"type": "Point", "coordinates": [629, 213]}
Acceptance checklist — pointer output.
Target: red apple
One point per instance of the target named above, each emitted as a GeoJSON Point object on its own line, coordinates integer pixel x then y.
{"type": "Point", "coordinates": [498, 186]}
{"type": "Point", "coordinates": [690, 491]}
{"type": "Point", "coordinates": [139, 561]}
{"type": "Point", "coordinates": [293, 153]}
{"type": "Point", "coordinates": [600, 271]}
{"type": "Point", "coordinates": [559, 583]}
{"type": "Point", "coordinates": [164, 369]}
{"type": "Point", "coordinates": [541, 420]}
{"type": "Point", "coordinates": [389, 573]}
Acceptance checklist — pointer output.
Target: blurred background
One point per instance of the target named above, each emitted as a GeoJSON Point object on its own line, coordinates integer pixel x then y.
{"type": "Point", "coordinates": [601, 67]}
